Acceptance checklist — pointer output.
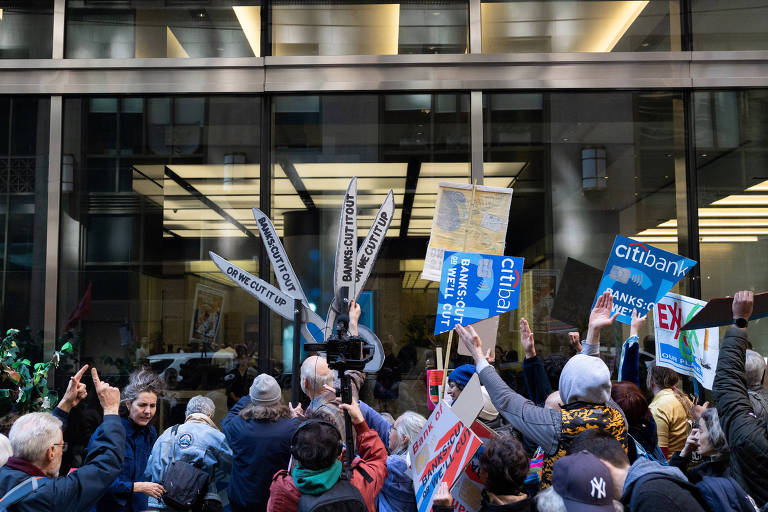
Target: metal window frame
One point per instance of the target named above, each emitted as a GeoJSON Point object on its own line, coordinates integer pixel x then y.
{"type": "Point", "coordinates": [475, 72]}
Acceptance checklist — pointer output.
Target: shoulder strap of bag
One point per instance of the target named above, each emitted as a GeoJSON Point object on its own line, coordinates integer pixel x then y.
{"type": "Point", "coordinates": [21, 491]}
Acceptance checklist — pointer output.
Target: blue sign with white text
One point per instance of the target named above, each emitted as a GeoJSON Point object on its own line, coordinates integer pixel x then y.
{"type": "Point", "coordinates": [638, 275]}
{"type": "Point", "coordinates": [475, 286]}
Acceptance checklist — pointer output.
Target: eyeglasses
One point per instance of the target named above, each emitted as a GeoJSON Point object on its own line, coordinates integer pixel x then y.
{"type": "Point", "coordinates": [64, 446]}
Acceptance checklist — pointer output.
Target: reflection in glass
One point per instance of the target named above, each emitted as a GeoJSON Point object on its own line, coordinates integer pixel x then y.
{"type": "Point", "coordinates": [369, 28]}
{"type": "Point", "coordinates": [24, 123]}
{"type": "Point", "coordinates": [157, 182]}
{"type": "Point", "coordinates": [406, 142]}
{"type": "Point", "coordinates": [26, 29]}
{"type": "Point", "coordinates": [734, 25]}
{"type": "Point", "coordinates": [551, 26]}
{"type": "Point", "coordinates": [732, 194]}
{"type": "Point", "coordinates": [134, 29]}
{"type": "Point", "coordinates": [584, 167]}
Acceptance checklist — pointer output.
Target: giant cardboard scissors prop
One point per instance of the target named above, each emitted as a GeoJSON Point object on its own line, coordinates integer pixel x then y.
{"type": "Point", "coordinates": [352, 269]}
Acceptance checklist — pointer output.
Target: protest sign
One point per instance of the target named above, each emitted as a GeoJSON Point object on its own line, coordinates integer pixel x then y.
{"type": "Point", "coordinates": [638, 275]}
{"type": "Point", "coordinates": [467, 491]}
{"type": "Point", "coordinates": [691, 353]}
{"type": "Point", "coordinates": [574, 297]}
{"type": "Point", "coordinates": [719, 312]}
{"type": "Point", "coordinates": [466, 218]}
{"type": "Point", "coordinates": [470, 401]}
{"type": "Point", "coordinates": [440, 452]}
{"type": "Point", "coordinates": [475, 286]}
{"type": "Point", "coordinates": [434, 381]}
{"type": "Point", "coordinates": [487, 330]}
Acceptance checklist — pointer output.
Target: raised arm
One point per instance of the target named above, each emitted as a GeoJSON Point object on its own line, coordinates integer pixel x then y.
{"type": "Point", "coordinates": [533, 367]}
{"type": "Point", "coordinates": [730, 388]}
{"type": "Point", "coordinates": [376, 422]}
{"type": "Point", "coordinates": [599, 317]}
{"type": "Point", "coordinates": [537, 425]}
{"type": "Point", "coordinates": [629, 364]}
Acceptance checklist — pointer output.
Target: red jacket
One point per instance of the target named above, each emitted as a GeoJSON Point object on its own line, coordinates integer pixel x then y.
{"type": "Point", "coordinates": [284, 495]}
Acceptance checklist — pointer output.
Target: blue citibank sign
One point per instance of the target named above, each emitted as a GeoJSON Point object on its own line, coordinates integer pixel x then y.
{"type": "Point", "coordinates": [638, 275]}
{"type": "Point", "coordinates": [476, 286]}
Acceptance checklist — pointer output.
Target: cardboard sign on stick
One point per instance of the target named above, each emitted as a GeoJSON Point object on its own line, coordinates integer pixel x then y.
{"type": "Point", "coordinates": [476, 286]}
{"type": "Point", "coordinates": [470, 401]}
{"type": "Point", "coordinates": [576, 293]}
{"type": "Point", "coordinates": [487, 330]}
{"type": "Point", "coordinates": [439, 454]}
{"type": "Point", "coordinates": [467, 491]}
{"type": "Point", "coordinates": [688, 352]}
{"type": "Point", "coordinates": [718, 312]}
{"type": "Point", "coordinates": [638, 275]}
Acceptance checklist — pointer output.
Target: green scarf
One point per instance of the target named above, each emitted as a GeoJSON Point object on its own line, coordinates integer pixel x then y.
{"type": "Point", "coordinates": [316, 481]}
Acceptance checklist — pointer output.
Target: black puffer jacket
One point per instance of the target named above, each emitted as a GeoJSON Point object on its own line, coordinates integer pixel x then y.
{"type": "Point", "coordinates": [747, 436]}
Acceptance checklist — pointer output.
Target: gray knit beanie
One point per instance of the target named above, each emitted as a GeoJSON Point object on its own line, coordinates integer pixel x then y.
{"type": "Point", "coordinates": [265, 390]}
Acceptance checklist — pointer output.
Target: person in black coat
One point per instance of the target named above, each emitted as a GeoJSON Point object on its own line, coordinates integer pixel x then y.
{"type": "Point", "coordinates": [37, 442]}
{"type": "Point", "coordinates": [747, 436]}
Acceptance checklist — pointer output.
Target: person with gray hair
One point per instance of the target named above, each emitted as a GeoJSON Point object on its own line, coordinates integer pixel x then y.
{"type": "Point", "coordinates": [754, 371]}
{"type": "Point", "coordinates": [199, 442]}
{"type": "Point", "coordinates": [259, 429]}
{"type": "Point", "coordinates": [708, 439]}
{"type": "Point", "coordinates": [396, 495]}
{"type": "Point", "coordinates": [129, 492]}
{"type": "Point", "coordinates": [30, 480]}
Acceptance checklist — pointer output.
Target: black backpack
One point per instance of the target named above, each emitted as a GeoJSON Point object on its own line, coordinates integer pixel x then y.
{"type": "Point", "coordinates": [342, 497]}
{"type": "Point", "coordinates": [184, 483]}
{"type": "Point", "coordinates": [725, 494]}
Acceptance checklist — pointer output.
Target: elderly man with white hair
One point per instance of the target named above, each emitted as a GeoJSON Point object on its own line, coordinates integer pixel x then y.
{"type": "Point", "coordinates": [198, 441]}
{"type": "Point", "coordinates": [30, 479]}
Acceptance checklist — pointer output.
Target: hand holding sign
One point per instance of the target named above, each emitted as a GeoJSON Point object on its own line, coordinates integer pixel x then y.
{"type": "Point", "coordinates": [743, 302]}
{"type": "Point", "coordinates": [471, 341]}
{"type": "Point", "coordinates": [526, 339]}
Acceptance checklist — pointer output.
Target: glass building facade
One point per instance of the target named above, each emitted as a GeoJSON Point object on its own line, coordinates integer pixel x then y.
{"type": "Point", "coordinates": [135, 137]}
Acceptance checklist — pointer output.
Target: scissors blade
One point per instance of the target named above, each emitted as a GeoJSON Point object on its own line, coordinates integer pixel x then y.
{"type": "Point", "coordinates": [344, 273]}
{"type": "Point", "coordinates": [264, 292]}
{"type": "Point", "coordinates": [281, 265]}
{"type": "Point", "coordinates": [369, 250]}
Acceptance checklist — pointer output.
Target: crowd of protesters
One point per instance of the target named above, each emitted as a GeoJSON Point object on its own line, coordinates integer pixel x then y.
{"type": "Point", "coordinates": [573, 441]}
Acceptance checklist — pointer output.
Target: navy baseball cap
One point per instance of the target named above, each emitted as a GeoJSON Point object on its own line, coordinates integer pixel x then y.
{"type": "Point", "coordinates": [583, 482]}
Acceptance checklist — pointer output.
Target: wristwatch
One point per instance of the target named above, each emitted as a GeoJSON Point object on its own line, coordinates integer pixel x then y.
{"type": "Point", "coordinates": [740, 323]}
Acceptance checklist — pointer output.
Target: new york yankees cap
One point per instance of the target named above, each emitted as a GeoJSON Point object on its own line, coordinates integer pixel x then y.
{"type": "Point", "coordinates": [583, 482]}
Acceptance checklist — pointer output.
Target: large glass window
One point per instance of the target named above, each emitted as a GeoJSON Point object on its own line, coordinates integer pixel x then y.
{"type": "Point", "coordinates": [153, 184]}
{"type": "Point", "coordinates": [406, 142]}
{"type": "Point", "coordinates": [514, 26]}
{"type": "Point", "coordinates": [733, 194]}
{"type": "Point", "coordinates": [584, 167]}
{"type": "Point", "coordinates": [734, 25]}
{"type": "Point", "coordinates": [369, 28]}
{"type": "Point", "coordinates": [138, 29]}
{"type": "Point", "coordinates": [24, 128]}
{"type": "Point", "coordinates": [26, 29]}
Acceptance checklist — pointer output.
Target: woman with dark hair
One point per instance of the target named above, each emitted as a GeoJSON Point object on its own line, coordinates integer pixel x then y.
{"type": "Point", "coordinates": [710, 441]}
{"type": "Point", "coordinates": [129, 492]}
{"type": "Point", "coordinates": [643, 440]}
{"type": "Point", "coordinates": [671, 409]}
{"type": "Point", "coordinates": [504, 466]}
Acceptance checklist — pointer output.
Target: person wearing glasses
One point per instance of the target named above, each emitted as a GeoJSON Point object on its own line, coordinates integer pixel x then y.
{"type": "Point", "coordinates": [30, 480]}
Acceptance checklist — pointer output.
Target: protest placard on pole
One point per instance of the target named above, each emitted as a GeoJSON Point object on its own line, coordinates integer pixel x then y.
{"type": "Point", "coordinates": [475, 286]}
{"type": "Point", "coordinates": [691, 353]}
{"type": "Point", "coordinates": [468, 489]}
{"type": "Point", "coordinates": [638, 275]}
{"type": "Point", "coordinates": [439, 454]}
{"type": "Point", "coordinates": [466, 220]}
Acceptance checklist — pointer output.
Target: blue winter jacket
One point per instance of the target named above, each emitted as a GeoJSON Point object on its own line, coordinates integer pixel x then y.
{"type": "Point", "coordinates": [197, 443]}
{"type": "Point", "coordinates": [397, 493]}
{"type": "Point", "coordinates": [81, 489]}
{"type": "Point", "coordinates": [261, 448]}
{"type": "Point", "coordinates": [138, 445]}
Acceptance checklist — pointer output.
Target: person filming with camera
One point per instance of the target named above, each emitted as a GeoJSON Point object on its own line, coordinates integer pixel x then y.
{"type": "Point", "coordinates": [318, 481]}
